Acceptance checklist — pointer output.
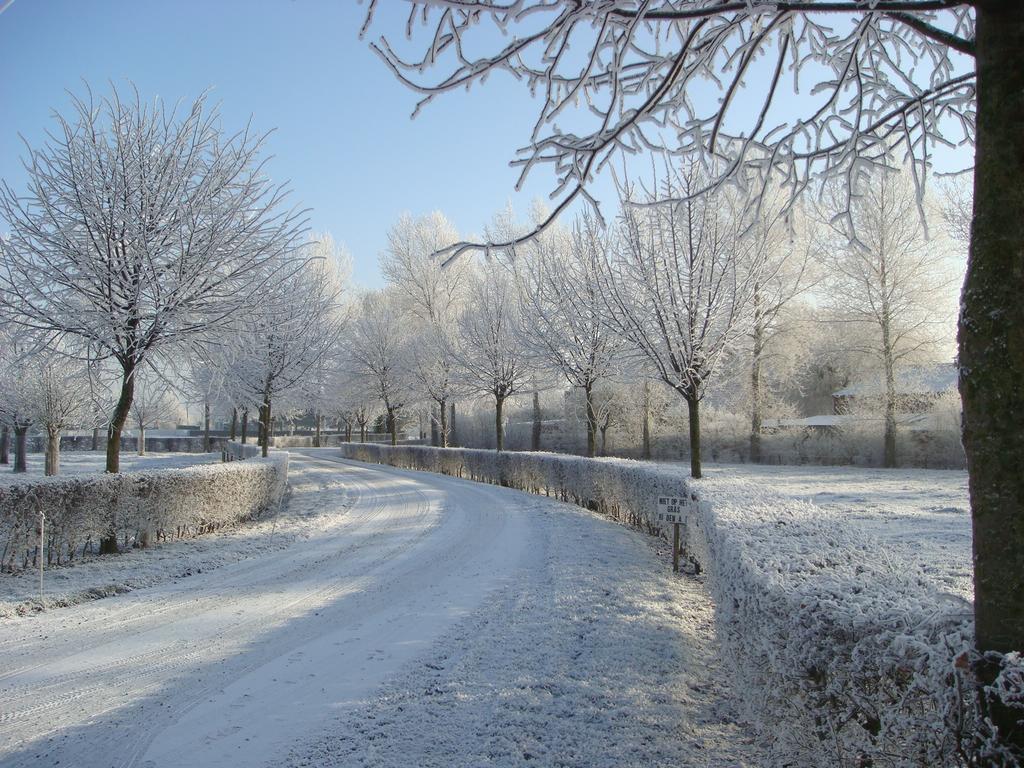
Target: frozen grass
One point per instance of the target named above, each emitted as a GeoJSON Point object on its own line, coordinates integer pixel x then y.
{"type": "Point", "coordinates": [921, 517]}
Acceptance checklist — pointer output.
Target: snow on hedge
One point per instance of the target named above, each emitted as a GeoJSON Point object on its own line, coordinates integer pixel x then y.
{"type": "Point", "coordinates": [144, 506]}
{"type": "Point", "coordinates": [236, 451]}
{"type": "Point", "coordinates": [844, 658]}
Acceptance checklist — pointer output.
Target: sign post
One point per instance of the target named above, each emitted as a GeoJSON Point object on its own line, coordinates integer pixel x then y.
{"type": "Point", "coordinates": [42, 540]}
{"type": "Point", "coordinates": [670, 510]}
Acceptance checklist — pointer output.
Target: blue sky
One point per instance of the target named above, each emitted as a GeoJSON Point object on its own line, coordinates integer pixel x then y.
{"type": "Point", "coordinates": [343, 135]}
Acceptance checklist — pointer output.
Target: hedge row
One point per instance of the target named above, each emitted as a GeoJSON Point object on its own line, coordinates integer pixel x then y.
{"type": "Point", "coordinates": [840, 658]}
{"type": "Point", "coordinates": [140, 507]}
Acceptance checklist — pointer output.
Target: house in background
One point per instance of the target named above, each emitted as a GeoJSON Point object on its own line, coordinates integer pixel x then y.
{"type": "Point", "coordinates": [917, 389]}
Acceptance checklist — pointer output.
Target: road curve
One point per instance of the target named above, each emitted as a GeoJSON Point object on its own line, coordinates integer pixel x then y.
{"type": "Point", "coordinates": [264, 660]}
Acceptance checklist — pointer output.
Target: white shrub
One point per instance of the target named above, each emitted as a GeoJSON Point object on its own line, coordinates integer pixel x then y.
{"type": "Point", "coordinates": [144, 506]}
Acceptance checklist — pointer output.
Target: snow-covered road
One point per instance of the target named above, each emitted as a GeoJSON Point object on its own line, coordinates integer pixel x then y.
{"type": "Point", "coordinates": [429, 621]}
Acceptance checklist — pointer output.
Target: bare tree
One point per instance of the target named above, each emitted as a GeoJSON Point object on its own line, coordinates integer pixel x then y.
{"type": "Point", "coordinates": [433, 294]}
{"type": "Point", "coordinates": [880, 77]}
{"type": "Point", "coordinates": [289, 334]}
{"type": "Point", "coordinates": [141, 228]}
{"type": "Point", "coordinates": [562, 309]}
{"type": "Point", "coordinates": [678, 288]}
{"type": "Point", "coordinates": [886, 281]}
{"type": "Point", "coordinates": [16, 398]}
{"type": "Point", "coordinates": [154, 402]}
{"type": "Point", "coordinates": [378, 350]}
{"type": "Point", "coordinates": [59, 400]}
{"type": "Point", "coordinates": [781, 252]}
{"type": "Point", "coordinates": [490, 355]}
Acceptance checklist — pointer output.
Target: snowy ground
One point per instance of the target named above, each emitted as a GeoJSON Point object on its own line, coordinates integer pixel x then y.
{"type": "Point", "coordinates": [409, 620]}
{"type": "Point", "coordinates": [920, 517]}
{"type": "Point", "coordinates": [74, 462]}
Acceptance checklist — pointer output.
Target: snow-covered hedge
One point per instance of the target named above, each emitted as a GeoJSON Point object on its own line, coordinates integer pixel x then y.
{"type": "Point", "coordinates": [841, 657]}
{"type": "Point", "coordinates": [144, 506]}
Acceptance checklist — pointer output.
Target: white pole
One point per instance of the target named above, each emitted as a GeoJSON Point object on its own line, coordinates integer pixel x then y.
{"type": "Point", "coordinates": [42, 538]}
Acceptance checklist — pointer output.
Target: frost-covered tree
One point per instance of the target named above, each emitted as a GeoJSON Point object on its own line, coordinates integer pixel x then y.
{"type": "Point", "coordinates": [202, 382]}
{"type": "Point", "coordinates": [433, 294]}
{"type": "Point", "coordinates": [490, 352]}
{"type": "Point", "coordinates": [678, 287]}
{"type": "Point", "coordinates": [16, 400]}
{"type": "Point", "coordinates": [378, 350]}
{"type": "Point", "coordinates": [869, 78]}
{"type": "Point", "coordinates": [782, 268]}
{"type": "Point", "coordinates": [154, 402]}
{"type": "Point", "coordinates": [141, 227]}
{"type": "Point", "coordinates": [562, 308]}
{"type": "Point", "coordinates": [887, 281]}
{"type": "Point", "coordinates": [59, 398]}
{"type": "Point", "coordinates": [290, 333]}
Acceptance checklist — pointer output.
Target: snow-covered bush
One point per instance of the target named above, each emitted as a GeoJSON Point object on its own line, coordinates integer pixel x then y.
{"type": "Point", "coordinates": [145, 506]}
{"type": "Point", "coordinates": [842, 657]}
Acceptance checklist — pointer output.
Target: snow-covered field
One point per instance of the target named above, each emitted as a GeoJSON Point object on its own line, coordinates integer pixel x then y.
{"type": "Point", "coordinates": [393, 618]}
{"type": "Point", "coordinates": [74, 462]}
{"type": "Point", "coordinates": [920, 517]}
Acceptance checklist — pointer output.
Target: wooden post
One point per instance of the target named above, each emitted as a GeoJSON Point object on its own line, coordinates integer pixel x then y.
{"type": "Point", "coordinates": [42, 539]}
{"type": "Point", "coordinates": [675, 547]}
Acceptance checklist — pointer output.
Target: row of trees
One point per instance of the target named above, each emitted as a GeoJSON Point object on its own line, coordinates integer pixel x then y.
{"type": "Point", "coordinates": [673, 292]}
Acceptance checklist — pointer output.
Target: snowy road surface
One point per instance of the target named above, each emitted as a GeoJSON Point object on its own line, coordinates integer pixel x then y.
{"type": "Point", "coordinates": [428, 621]}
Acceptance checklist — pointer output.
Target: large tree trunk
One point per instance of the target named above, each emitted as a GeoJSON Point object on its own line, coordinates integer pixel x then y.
{"type": "Point", "coordinates": [95, 438]}
{"type": "Point", "coordinates": [992, 339]}
{"type": "Point", "coordinates": [117, 421]}
{"type": "Point", "coordinates": [206, 427]}
{"type": "Point", "coordinates": [535, 437]}
{"type": "Point", "coordinates": [588, 394]}
{"type": "Point", "coordinates": [392, 426]}
{"type": "Point", "coordinates": [5, 443]}
{"type": "Point", "coordinates": [234, 423]}
{"type": "Point", "coordinates": [21, 448]}
{"type": "Point", "coordinates": [108, 544]}
{"type": "Point", "coordinates": [52, 451]}
{"type": "Point", "coordinates": [693, 409]}
{"type": "Point", "coordinates": [454, 438]}
{"type": "Point", "coordinates": [888, 364]}
{"type": "Point", "coordinates": [444, 423]}
{"type": "Point", "coordinates": [756, 405]}
{"type": "Point", "coordinates": [266, 419]}
{"type": "Point", "coordinates": [316, 434]}
{"type": "Point", "coordinates": [646, 451]}
{"type": "Point", "coordinates": [499, 432]}
{"type": "Point", "coordinates": [245, 424]}
{"type": "Point", "coordinates": [889, 454]}
{"type": "Point", "coordinates": [362, 432]}
{"type": "Point", "coordinates": [435, 437]}
{"type": "Point", "coordinates": [142, 440]}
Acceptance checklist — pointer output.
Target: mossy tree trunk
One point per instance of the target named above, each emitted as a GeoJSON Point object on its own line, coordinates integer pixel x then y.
{"type": "Point", "coordinates": [991, 338]}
